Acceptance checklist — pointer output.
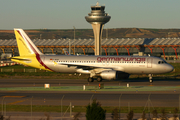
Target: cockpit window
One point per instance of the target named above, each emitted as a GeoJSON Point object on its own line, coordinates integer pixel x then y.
{"type": "Point", "coordinates": [161, 62]}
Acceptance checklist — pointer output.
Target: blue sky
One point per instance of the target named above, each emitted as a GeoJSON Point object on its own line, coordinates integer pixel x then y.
{"type": "Point", "coordinates": [64, 14]}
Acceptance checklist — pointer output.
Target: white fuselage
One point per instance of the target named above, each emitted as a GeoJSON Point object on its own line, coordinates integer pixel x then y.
{"type": "Point", "coordinates": [127, 64]}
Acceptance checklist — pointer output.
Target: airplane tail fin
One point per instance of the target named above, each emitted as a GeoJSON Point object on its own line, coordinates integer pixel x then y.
{"type": "Point", "coordinates": [25, 45]}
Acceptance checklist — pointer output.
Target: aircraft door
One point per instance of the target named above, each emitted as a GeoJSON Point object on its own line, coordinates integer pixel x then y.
{"type": "Point", "coordinates": [149, 62]}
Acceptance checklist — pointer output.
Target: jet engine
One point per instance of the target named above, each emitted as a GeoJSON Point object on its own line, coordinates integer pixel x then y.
{"type": "Point", "coordinates": [111, 75]}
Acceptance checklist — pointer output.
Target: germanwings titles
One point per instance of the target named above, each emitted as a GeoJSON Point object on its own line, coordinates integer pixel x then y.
{"type": "Point", "coordinates": [98, 67]}
{"type": "Point", "coordinates": [134, 59]}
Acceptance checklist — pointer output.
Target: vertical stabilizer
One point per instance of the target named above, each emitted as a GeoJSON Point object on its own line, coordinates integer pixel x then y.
{"type": "Point", "coordinates": [25, 45]}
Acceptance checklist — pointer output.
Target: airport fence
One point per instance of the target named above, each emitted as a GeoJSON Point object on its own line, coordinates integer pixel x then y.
{"type": "Point", "coordinates": [26, 107]}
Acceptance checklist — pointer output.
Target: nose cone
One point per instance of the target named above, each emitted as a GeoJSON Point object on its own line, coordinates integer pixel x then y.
{"type": "Point", "coordinates": [169, 68]}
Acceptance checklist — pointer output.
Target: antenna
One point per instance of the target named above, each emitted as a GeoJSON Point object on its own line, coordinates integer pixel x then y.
{"type": "Point", "coordinates": [97, 4]}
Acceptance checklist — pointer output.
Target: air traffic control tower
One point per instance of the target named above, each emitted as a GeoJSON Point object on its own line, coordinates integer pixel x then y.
{"type": "Point", "coordinates": [97, 18]}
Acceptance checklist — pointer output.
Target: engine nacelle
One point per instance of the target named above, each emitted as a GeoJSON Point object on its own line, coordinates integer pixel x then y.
{"type": "Point", "coordinates": [112, 75]}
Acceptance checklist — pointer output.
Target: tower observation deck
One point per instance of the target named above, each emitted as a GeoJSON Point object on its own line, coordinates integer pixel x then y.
{"type": "Point", "coordinates": [97, 18]}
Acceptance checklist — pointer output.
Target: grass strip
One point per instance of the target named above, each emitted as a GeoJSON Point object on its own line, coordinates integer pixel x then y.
{"type": "Point", "coordinates": [95, 88]}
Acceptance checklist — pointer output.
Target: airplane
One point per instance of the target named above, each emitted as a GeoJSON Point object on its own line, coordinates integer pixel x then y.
{"type": "Point", "coordinates": [98, 67]}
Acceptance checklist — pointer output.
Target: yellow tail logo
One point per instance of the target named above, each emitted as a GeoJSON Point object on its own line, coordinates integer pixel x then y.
{"type": "Point", "coordinates": [29, 53]}
{"type": "Point", "coordinates": [25, 45]}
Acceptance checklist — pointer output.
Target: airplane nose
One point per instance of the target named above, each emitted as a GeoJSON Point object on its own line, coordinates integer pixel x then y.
{"type": "Point", "coordinates": [169, 68]}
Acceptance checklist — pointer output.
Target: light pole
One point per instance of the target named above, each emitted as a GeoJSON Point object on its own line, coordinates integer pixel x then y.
{"type": "Point", "coordinates": [120, 106]}
{"type": "Point", "coordinates": [74, 39]}
{"type": "Point", "coordinates": [91, 98]}
{"type": "Point", "coordinates": [31, 106]}
{"type": "Point", "coordinates": [179, 106]}
{"type": "Point", "coordinates": [2, 105]}
{"type": "Point", "coordinates": [69, 46]}
{"type": "Point", "coordinates": [106, 33]}
{"type": "Point", "coordinates": [61, 106]}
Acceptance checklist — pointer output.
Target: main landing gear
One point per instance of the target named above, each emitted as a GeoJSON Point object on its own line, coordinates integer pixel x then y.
{"type": "Point", "coordinates": [91, 79]}
{"type": "Point", "coordinates": [150, 78]}
{"type": "Point", "coordinates": [99, 79]}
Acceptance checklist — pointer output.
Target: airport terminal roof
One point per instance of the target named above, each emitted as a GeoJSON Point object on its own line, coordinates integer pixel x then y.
{"type": "Point", "coordinates": [85, 42]}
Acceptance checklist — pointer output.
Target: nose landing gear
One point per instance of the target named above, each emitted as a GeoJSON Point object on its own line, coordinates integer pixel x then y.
{"type": "Point", "coordinates": [150, 78]}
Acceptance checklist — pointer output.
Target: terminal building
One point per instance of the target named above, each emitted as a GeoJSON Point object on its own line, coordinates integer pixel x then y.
{"type": "Point", "coordinates": [167, 48]}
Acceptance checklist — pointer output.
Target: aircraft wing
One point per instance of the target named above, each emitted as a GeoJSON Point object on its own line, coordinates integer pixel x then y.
{"type": "Point", "coordinates": [86, 67]}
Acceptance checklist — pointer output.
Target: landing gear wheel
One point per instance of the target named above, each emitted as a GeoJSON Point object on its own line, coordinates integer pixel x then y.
{"type": "Point", "coordinates": [99, 79]}
{"type": "Point", "coordinates": [90, 79]}
{"type": "Point", "coordinates": [151, 81]}
{"type": "Point", "coordinates": [150, 78]}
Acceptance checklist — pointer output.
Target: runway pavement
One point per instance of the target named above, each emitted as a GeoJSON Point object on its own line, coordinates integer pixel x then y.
{"type": "Point", "coordinates": [79, 82]}
{"type": "Point", "coordinates": [83, 99]}
{"type": "Point", "coordinates": [162, 98]}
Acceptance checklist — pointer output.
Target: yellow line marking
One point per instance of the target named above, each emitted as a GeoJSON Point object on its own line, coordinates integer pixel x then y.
{"type": "Point", "coordinates": [17, 102]}
{"type": "Point", "coordinates": [15, 96]}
